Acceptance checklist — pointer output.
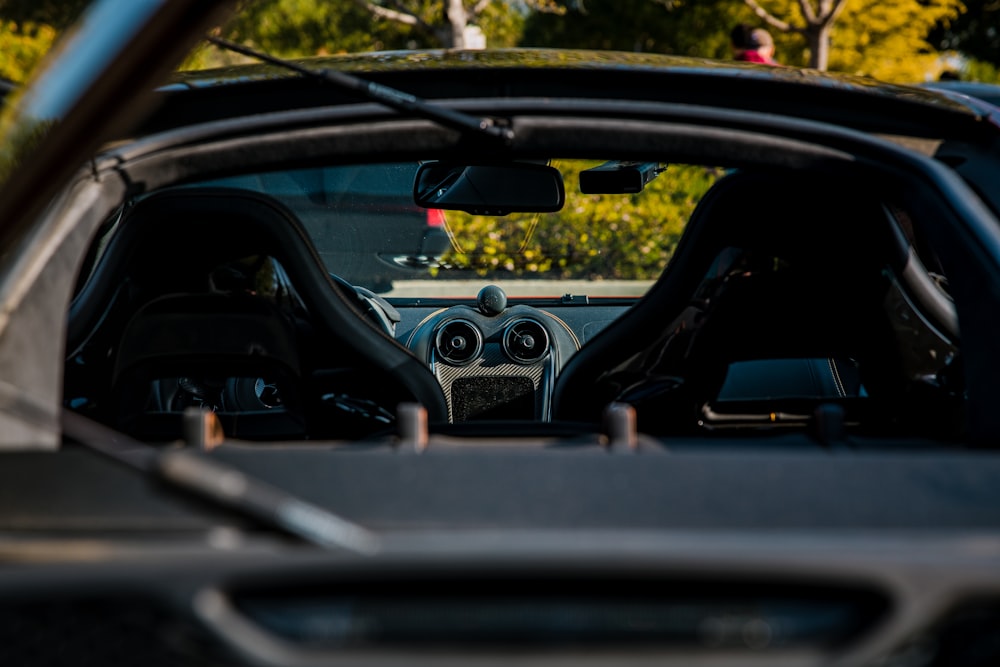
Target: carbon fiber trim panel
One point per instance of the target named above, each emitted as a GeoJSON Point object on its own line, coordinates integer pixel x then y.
{"type": "Point", "coordinates": [494, 363]}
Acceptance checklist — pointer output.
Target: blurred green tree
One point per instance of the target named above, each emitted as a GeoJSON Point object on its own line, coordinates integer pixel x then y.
{"type": "Point", "coordinates": [626, 236]}
{"type": "Point", "coordinates": [978, 70]}
{"type": "Point", "coordinates": [23, 45]}
{"type": "Point", "coordinates": [293, 28]}
{"type": "Point", "coordinates": [814, 20]}
{"type": "Point", "coordinates": [58, 14]}
{"type": "Point", "coordinates": [678, 27]}
{"type": "Point", "coordinates": [886, 39]}
{"type": "Point", "coordinates": [28, 28]}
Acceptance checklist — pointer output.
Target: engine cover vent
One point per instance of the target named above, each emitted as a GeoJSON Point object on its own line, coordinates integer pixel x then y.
{"type": "Point", "coordinates": [525, 341]}
{"type": "Point", "coordinates": [458, 342]}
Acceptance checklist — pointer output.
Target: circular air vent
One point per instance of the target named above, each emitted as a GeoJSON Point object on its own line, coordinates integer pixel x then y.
{"type": "Point", "coordinates": [525, 341]}
{"type": "Point", "coordinates": [458, 342]}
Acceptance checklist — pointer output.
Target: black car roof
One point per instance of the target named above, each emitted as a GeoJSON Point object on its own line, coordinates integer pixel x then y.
{"type": "Point", "coordinates": [856, 102]}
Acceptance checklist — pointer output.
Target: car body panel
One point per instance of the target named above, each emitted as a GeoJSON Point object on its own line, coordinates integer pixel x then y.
{"type": "Point", "coordinates": [988, 92]}
{"type": "Point", "coordinates": [521, 73]}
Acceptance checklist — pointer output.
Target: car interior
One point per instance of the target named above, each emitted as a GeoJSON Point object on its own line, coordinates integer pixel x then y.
{"type": "Point", "coordinates": [205, 310]}
{"type": "Point", "coordinates": [782, 308]}
{"type": "Point", "coordinates": [773, 316]}
{"type": "Point", "coordinates": [771, 328]}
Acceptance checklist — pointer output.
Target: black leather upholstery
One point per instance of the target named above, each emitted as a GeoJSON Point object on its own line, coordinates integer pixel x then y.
{"type": "Point", "coordinates": [208, 350]}
{"type": "Point", "coordinates": [811, 290]}
{"type": "Point", "coordinates": [762, 379]}
{"type": "Point", "coordinates": [171, 240]}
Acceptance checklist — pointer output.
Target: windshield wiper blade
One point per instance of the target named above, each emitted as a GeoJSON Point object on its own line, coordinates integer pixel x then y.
{"type": "Point", "coordinates": [224, 485]}
{"type": "Point", "coordinates": [390, 97]}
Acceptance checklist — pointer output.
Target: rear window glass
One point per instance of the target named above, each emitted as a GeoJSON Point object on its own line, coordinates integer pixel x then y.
{"type": "Point", "coordinates": [368, 230]}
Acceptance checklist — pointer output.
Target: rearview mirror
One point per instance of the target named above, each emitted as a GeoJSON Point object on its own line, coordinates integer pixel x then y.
{"type": "Point", "coordinates": [495, 189]}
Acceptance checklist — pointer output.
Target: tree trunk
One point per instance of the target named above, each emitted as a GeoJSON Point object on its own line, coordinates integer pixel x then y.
{"type": "Point", "coordinates": [818, 39]}
{"type": "Point", "coordinates": [457, 19]}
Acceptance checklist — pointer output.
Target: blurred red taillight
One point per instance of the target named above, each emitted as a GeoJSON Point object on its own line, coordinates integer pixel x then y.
{"type": "Point", "coordinates": [435, 217]}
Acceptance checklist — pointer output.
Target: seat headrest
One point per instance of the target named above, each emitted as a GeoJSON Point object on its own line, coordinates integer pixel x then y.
{"type": "Point", "coordinates": [208, 330]}
{"type": "Point", "coordinates": [218, 351]}
{"type": "Point", "coordinates": [832, 238]}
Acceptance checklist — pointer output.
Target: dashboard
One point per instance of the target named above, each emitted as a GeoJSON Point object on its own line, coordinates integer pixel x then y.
{"type": "Point", "coordinates": [496, 360]}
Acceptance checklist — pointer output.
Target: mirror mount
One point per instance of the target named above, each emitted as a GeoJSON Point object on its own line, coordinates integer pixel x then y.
{"type": "Point", "coordinates": [618, 177]}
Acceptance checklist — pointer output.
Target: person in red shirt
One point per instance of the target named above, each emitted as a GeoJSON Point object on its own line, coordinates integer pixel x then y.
{"type": "Point", "coordinates": [752, 45]}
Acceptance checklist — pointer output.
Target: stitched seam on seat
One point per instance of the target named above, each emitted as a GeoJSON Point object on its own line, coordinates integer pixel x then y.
{"type": "Point", "coordinates": [836, 377]}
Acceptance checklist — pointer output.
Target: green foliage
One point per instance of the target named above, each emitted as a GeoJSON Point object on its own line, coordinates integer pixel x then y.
{"type": "Point", "coordinates": [977, 70]}
{"type": "Point", "coordinates": [300, 28]}
{"type": "Point", "coordinates": [501, 25]}
{"type": "Point", "coordinates": [685, 27]}
{"type": "Point", "coordinates": [58, 14]}
{"type": "Point", "coordinates": [22, 46]}
{"type": "Point", "coordinates": [593, 237]}
{"type": "Point", "coordinates": [887, 39]}
{"type": "Point", "coordinates": [28, 28]}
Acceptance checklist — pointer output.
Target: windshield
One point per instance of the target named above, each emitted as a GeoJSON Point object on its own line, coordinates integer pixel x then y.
{"type": "Point", "coordinates": [365, 225]}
